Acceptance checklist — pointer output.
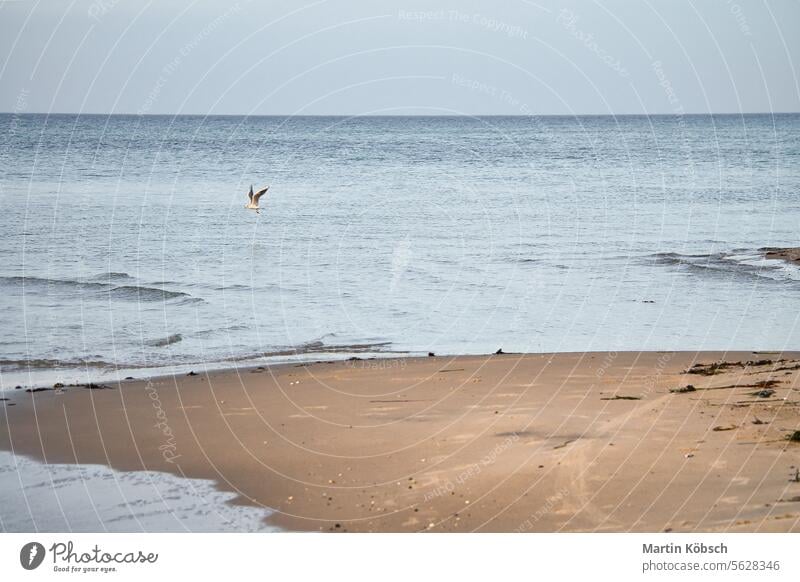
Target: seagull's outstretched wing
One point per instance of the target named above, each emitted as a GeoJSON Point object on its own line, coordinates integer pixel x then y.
{"type": "Point", "coordinates": [250, 194]}
{"type": "Point", "coordinates": [257, 196]}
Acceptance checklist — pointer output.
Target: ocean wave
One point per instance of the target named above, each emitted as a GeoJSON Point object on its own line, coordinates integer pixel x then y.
{"type": "Point", "coordinates": [525, 260]}
{"type": "Point", "coordinates": [675, 258]}
{"type": "Point", "coordinates": [745, 263]}
{"type": "Point", "coordinates": [217, 287]}
{"type": "Point", "coordinates": [40, 282]}
{"type": "Point", "coordinates": [306, 348]}
{"type": "Point", "coordinates": [245, 358]}
{"type": "Point", "coordinates": [165, 341]}
{"type": "Point", "coordinates": [129, 292]}
{"type": "Point", "coordinates": [113, 276]}
{"type": "Point", "coordinates": [233, 287]}
{"type": "Point", "coordinates": [190, 300]}
{"type": "Point", "coordinates": [51, 363]}
{"type": "Point", "coordinates": [316, 346]}
{"type": "Point", "coordinates": [320, 347]}
{"type": "Point", "coordinates": [140, 293]}
{"type": "Point", "coordinates": [211, 332]}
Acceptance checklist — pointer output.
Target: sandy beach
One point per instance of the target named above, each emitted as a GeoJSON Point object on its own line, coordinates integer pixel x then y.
{"type": "Point", "coordinates": [790, 255]}
{"type": "Point", "coordinates": [657, 441]}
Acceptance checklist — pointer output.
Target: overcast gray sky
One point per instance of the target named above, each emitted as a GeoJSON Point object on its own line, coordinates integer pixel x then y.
{"type": "Point", "coordinates": [387, 57]}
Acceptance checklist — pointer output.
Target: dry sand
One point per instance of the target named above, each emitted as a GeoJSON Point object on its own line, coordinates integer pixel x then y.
{"type": "Point", "coordinates": [565, 442]}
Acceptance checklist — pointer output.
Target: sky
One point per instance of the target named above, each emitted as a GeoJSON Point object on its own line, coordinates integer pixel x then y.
{"type": "Point", "coordinates": [378, 57]}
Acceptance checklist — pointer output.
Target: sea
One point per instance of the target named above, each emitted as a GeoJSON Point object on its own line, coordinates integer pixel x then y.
{"type": "Point", "coordinates": [126, 250]}
{"type": "Point", "coordinates": [51, 497]}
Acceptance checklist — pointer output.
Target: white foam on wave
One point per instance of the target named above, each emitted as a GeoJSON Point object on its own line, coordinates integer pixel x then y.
{"type": "Point", "coordinates": [38, 497]}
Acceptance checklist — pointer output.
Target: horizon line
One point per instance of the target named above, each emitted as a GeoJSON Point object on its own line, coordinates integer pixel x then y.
{"type": "Point", "coordinates": [352, 115]}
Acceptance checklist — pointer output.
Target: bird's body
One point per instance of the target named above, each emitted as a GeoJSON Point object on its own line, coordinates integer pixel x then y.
{"type": "Point", "coordinates": [254, 198]}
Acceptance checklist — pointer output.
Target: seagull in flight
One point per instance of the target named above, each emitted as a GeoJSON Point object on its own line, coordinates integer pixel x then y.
{"type": "Point", "coordinates": [254, 198]}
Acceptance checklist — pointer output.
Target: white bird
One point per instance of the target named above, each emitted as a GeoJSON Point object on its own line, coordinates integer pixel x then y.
{"type": "Point", "coordinates": [254, 198]}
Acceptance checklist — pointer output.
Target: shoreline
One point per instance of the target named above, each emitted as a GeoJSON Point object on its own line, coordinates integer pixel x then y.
{"type": "Point", "coordinates": [579, 441]}
{"type": "Point", "coordinates": [787, 254]}
{"type": "Point", "coordinates": [66, 377]}
{"type": "Point", "coordinates": [94, 364]}
{"type": "Point", "coordinates": [115, 375]}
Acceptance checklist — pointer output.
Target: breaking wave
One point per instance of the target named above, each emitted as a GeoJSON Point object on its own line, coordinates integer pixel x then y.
{"type": "Point", "coordinates": [46, 363]}
{"type": "Point", "coordinates": [125, 292]}
{"type": "Point", "coordinates": [306, 348]}
{"type": "Point", "coordinates": [139, 293]}
{"type": "Point", "coordinates": [320, 347]}
{"type": "Point", "coordinates": [114, 276]}
{"type": "Point", "coordinates": [738, 263]}
{"type": "Point", "coordinates": [165, 341]}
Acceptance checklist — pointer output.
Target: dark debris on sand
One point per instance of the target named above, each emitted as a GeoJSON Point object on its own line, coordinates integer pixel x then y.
{"type": "Point", "coordinates": [93, 386]}
{"type": "Point", "coordinates": [58, 387]}
{"type": "Point", "coordinates": [795, 366]}
{"type": "Point", "coordinates": [766, 393]}
{"type": "Point", "coordinates": [720, 367]}
{"type": "Point", "coordinates": [619, 397]}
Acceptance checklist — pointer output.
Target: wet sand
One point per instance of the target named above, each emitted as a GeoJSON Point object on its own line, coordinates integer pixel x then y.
{"type": "Point", "coordinates": [541, 442]}
{"type": "Point", "coordinates": [790, 255]}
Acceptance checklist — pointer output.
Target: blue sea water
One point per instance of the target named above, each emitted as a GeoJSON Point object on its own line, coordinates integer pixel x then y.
{"type": "Point", "coordinates": [126, 245]}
